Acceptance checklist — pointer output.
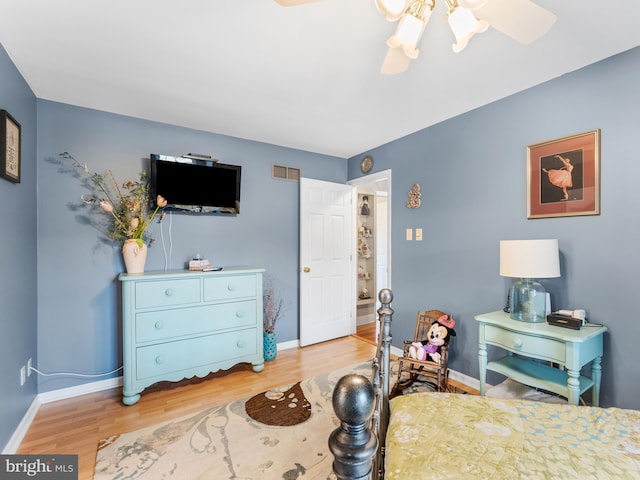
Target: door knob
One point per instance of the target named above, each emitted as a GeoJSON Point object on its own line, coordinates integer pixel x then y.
{"type": "Point", "coordinates": [306, 269]}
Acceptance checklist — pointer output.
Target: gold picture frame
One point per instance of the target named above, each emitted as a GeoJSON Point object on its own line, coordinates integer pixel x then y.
{"type": "Point", "coordinates": [10, 137]}
{"type": "Point", "coordinates": [563, 176]}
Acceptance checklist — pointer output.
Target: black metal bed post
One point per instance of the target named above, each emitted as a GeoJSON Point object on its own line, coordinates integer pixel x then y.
{"type": "Point", "coordinates": [381, 380]}
{"type": "Point", "coordinates": [363, 409]}
{"type": "Point", "coordinates": [353, 444]}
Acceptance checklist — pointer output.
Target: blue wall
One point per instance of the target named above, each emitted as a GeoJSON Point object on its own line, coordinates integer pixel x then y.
{"type": "Point", "coordinates": [473, 182]}
{"type": "Point", "coordinates": [18, 255]}
{"type": "Point", "coordinates": [78, 301]}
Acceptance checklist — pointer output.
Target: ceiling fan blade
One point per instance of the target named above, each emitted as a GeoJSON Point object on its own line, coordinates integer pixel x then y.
{"type": "Point", "coordinates": [395, 62]}
{"type": "Point", "coordinates": [522, 20]}
{"type": "Point", "coordinates": [293, 3]}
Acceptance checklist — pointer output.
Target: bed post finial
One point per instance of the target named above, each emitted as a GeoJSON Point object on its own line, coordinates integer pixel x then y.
{"type": "Point", "coordinates": [353, 444]}
{"type": "Point", "coordinates": [386, 296]}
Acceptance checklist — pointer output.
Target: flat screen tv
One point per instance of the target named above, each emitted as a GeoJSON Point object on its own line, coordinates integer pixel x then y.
{"type": "Point", "coordinates": [196, 185]}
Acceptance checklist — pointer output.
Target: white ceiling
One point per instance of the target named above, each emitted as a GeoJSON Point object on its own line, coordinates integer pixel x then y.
{"type": "Point", "coordinates": [305, 77]}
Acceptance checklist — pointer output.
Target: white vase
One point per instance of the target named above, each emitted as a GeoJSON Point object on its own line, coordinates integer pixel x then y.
{"type": "Point", "coordinates": [134, 255]}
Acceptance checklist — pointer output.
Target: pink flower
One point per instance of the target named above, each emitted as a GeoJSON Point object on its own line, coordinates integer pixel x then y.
{"type": "Point", "coordinates": [161, 201]}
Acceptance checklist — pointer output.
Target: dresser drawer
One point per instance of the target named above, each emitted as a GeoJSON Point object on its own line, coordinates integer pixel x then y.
{"type": "Point", "coordinates": [166, 324]}
{"type": "Point", "coordinates": [522, 343]}
{"type": "Point", "coordinates": [166, 358]}
{"type": "Point", "coordinates": [226, 288]}
{"type": "Point", "coordinates": [167, 293]}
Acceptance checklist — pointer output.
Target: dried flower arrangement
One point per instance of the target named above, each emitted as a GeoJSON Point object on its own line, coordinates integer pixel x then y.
{"type": "Point", "coordinates": [273, 307]}
{"type": "Point", "coordinates": [126, 205]}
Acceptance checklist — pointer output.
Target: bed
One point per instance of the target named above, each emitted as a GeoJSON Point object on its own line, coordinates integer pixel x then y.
{"type": "Point", "coordinates": [455, 436]}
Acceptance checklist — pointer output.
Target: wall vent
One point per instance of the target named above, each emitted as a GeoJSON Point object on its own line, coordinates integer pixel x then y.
{"type": "Point", "coordinates": [285, 173]}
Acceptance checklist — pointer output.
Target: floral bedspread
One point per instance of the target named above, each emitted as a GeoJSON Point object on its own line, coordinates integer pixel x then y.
{"type": "Point", "coordinates": [450, 436]}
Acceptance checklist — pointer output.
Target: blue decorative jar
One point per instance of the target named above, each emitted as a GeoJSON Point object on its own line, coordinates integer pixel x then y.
{"type": "Point", "coordinates": [270, 346]}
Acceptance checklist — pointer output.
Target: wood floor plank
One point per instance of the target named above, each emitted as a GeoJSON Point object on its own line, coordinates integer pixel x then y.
{"type": "Point", "coordinates": [75, 426]}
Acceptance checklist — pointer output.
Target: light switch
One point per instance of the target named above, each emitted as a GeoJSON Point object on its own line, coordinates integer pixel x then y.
{"type": "Point", "coordinates": [418, 234]}
{"type": "Point", "coordinates": [409, 234]}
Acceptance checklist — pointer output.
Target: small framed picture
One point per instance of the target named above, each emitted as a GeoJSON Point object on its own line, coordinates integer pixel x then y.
{"type": "Point", "coordinates": [9, 147]}
{"type": "Point", "coordinates": [563, 176]}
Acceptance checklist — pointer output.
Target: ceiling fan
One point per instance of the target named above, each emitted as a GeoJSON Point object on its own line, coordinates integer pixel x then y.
{"type": "Point", "coordinates": [522, 20]}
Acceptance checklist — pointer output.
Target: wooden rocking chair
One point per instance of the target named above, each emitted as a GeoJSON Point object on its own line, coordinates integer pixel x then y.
{"type": "Point", "coordinates": [424, 370]}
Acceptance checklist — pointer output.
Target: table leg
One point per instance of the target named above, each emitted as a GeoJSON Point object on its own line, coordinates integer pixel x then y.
{"type": "Point", "coordinates": [482, 360]}
{"type": "Point", "coordinates": [573, 386]}
{"type": "Point", "coordinates": [596, 375]}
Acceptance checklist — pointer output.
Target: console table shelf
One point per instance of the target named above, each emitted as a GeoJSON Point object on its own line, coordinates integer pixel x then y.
{"type": "Point", "coordinates": [542, 376]}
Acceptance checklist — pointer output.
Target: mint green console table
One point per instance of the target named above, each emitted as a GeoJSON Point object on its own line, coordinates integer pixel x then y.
{"type": "Point", "coordinates": [182, 324]}
{"type": "Point", "coordinates": [570, 349]}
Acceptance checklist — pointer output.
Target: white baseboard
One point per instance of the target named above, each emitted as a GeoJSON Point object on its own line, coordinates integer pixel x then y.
{"type": "Point", "coordinates": [70, 392]}
{"type": "Point", "coordinates": [61, 394]}
{"type": "Point", "coordinates": [465, 379]}
{"type": "Point", "coordinates": [288, 345]}
{"type": "Point", "coordinates": [23, 427]}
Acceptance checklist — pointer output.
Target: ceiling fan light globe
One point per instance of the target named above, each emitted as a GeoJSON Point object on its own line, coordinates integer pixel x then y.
{"type": "Point", "coordinates": [463, 22]}
{"type": "Point", "coordinates": [409, 50]}
{"type": "Point", "coordinates": [392, 9]}
{"type": "Point", "coordinates": [464, 26]}
{"type": "Point", "coordinates": [408, 34]}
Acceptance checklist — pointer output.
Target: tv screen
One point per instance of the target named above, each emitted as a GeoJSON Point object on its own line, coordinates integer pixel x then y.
{"type": "Point", "coordinates": [196, 185]}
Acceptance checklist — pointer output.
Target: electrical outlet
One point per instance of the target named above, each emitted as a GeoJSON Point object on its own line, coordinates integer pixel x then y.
{"type": "Point", "coordinates": [29, 366]}
{"type": "Point", "coordinates": [23, 375]}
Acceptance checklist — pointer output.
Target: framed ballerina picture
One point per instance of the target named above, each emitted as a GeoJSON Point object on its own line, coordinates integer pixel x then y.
{"type": "Point", "coordinates": [563, 176]}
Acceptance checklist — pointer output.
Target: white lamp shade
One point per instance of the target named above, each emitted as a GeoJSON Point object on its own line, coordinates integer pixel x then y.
{"type": "Point", "coordinates": [529, 258]}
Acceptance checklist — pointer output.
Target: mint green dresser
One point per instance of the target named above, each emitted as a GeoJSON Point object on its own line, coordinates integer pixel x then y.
{"type": "Point", "coordinates": [538, 347]}
{"type": "Point", "coordinates": [182, 324]}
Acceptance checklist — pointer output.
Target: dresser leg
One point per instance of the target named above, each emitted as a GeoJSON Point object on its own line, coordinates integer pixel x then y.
{"type": "Point", "coordinates": [130, 399]}
{"type": "Point", "coordinates": [258, 367]}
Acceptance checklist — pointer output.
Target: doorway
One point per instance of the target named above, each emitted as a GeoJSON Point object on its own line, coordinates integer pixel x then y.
{"type": "Point", "coordinates": [377, 190]}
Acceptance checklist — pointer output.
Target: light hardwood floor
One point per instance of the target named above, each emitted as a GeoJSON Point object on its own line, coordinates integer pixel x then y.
{"type": "Point", "coordinates": [75, 426]}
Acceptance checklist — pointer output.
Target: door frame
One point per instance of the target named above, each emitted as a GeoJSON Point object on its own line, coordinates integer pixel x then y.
{"type": "Point", "coordinates": [374, 178]}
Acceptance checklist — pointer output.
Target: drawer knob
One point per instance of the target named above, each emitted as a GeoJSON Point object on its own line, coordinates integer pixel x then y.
{"type": "Point", "coordinates": [240, 314]}
{"type": "Point", "coordinates": [240, 343]}
{"type": "Point", "coordinates": [517, 343]}
{"type": "Point", "coordinates": [159, 360]}
{"type": "Point", "coordinates": [159, 324]}
{"type": "Point", "coordinates": [231, 287]}
{"type": "Point", "coordinates": [168, 292]}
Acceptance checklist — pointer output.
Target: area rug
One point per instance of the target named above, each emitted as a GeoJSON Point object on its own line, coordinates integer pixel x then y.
{"type": "Point", "coordinates": [279, 434]}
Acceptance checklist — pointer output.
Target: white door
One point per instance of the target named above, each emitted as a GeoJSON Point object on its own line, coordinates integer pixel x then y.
{"type": "Point", "coordinates": [326, 252]}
